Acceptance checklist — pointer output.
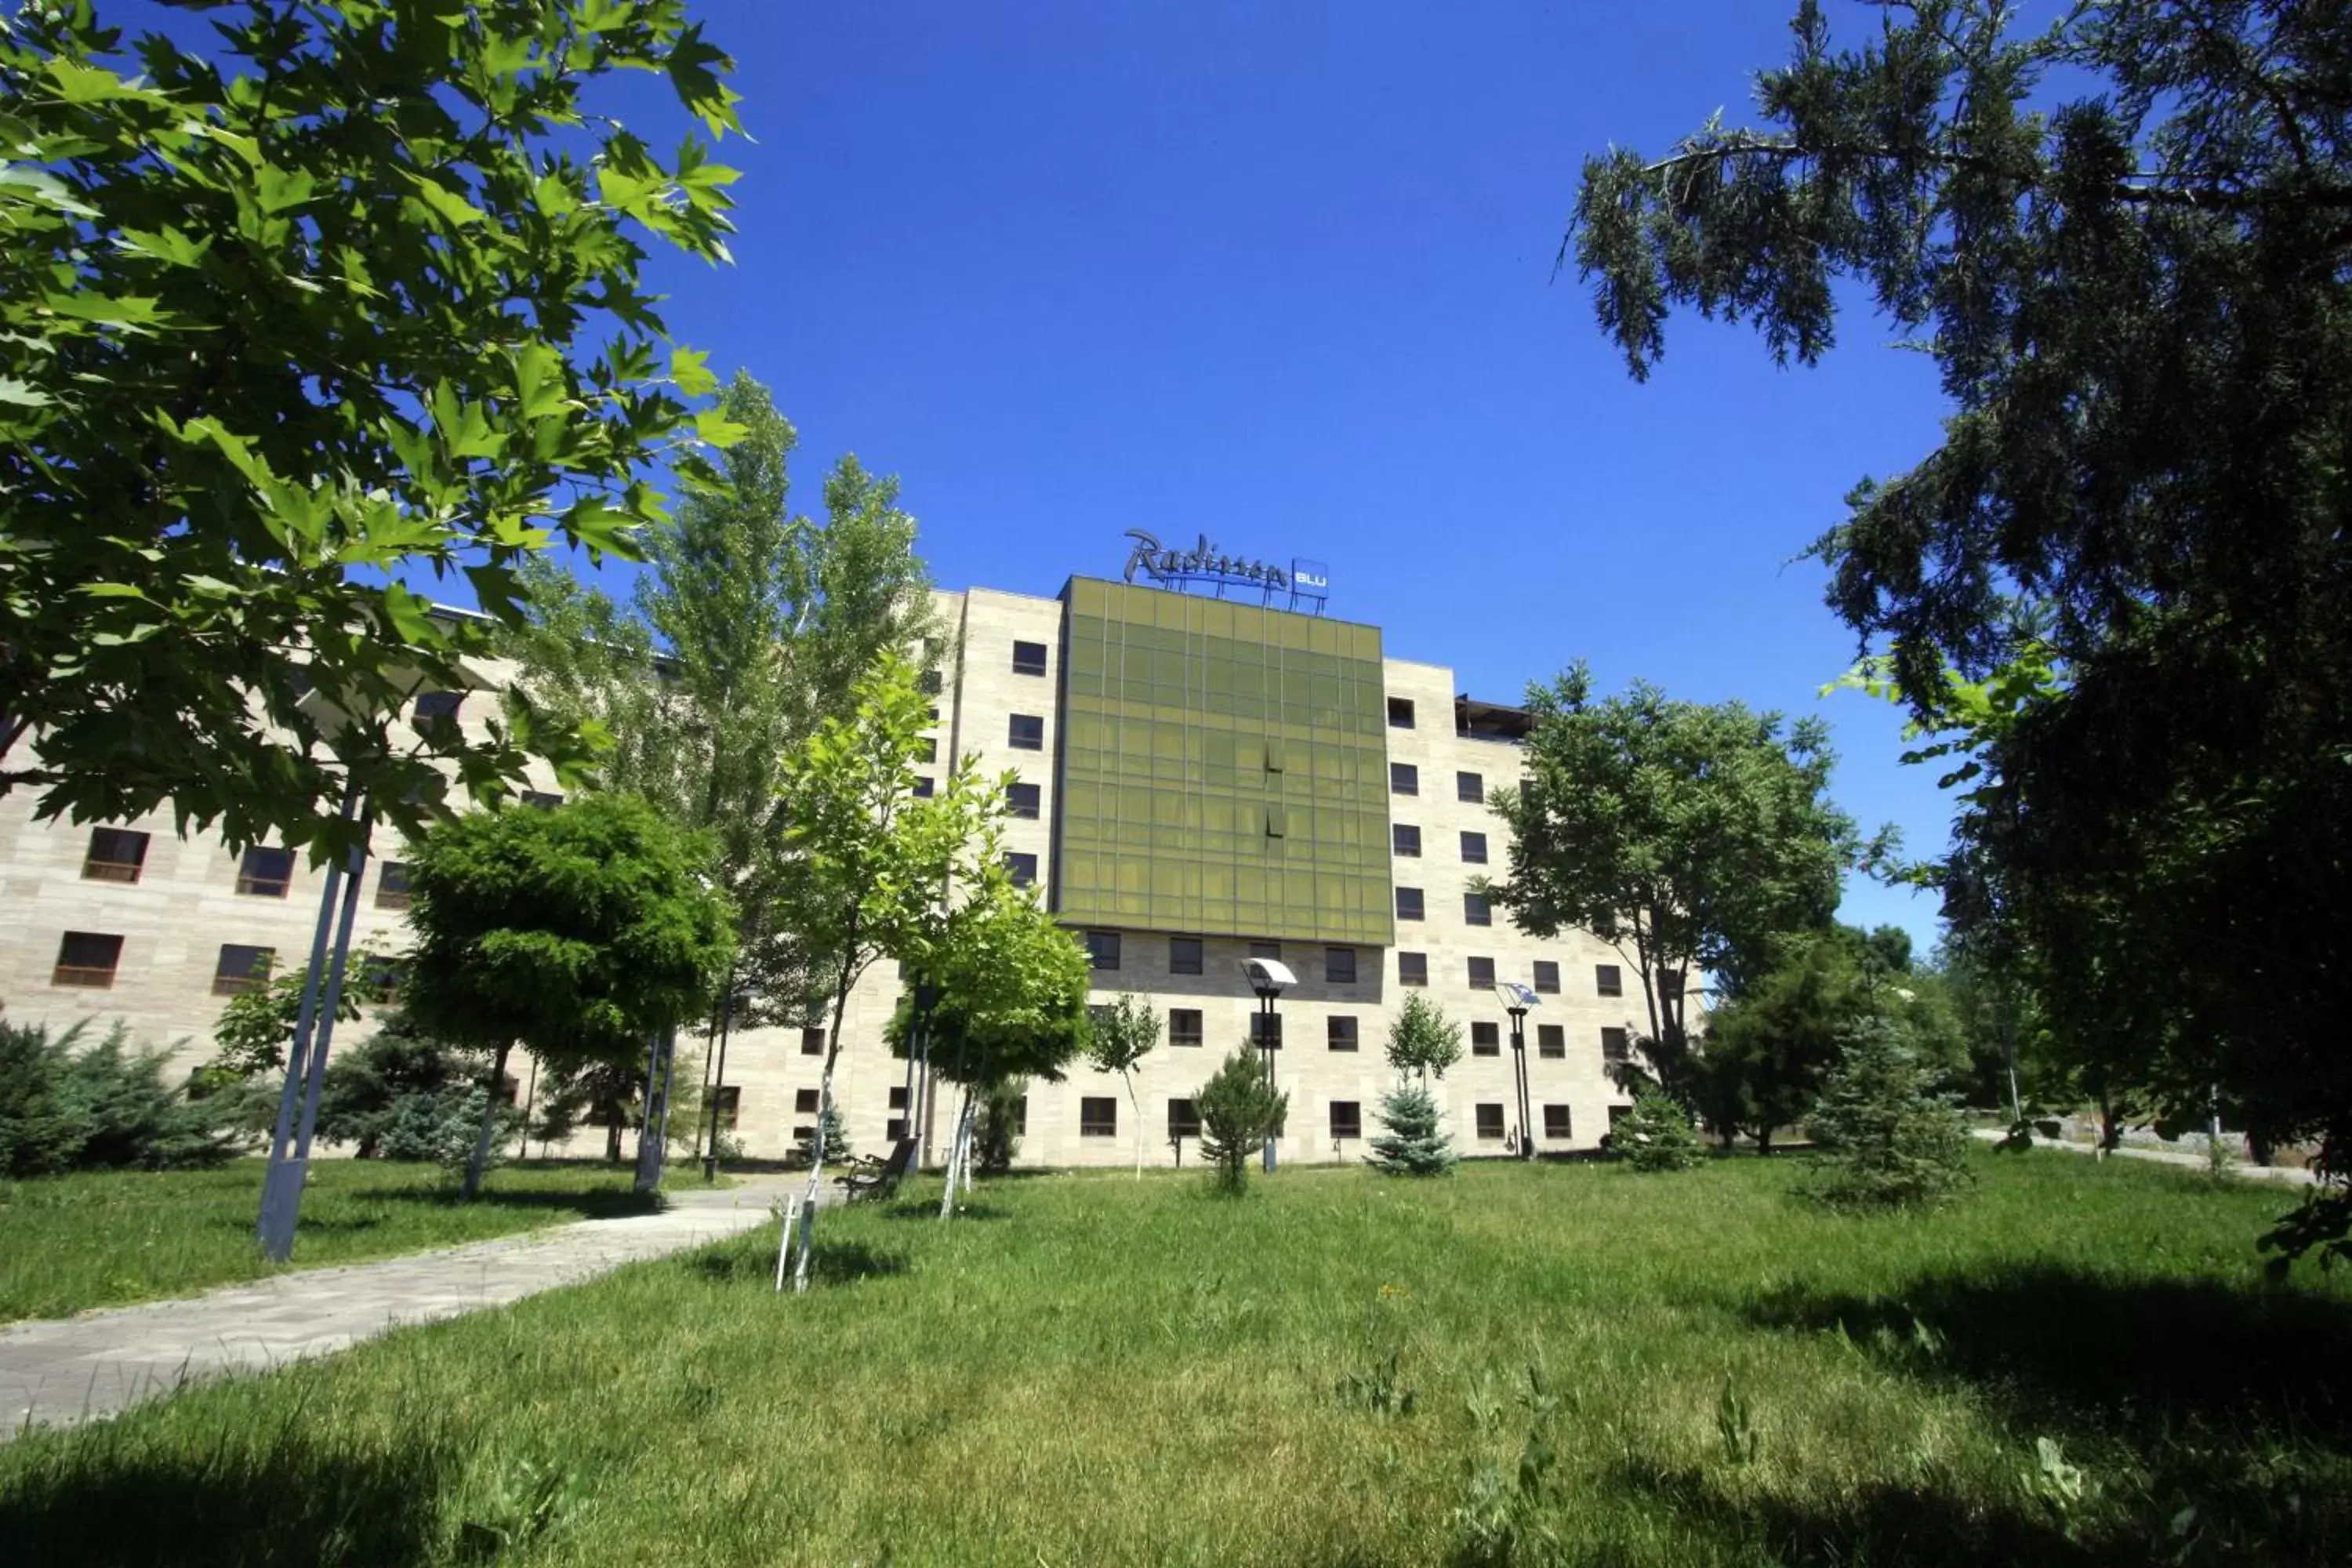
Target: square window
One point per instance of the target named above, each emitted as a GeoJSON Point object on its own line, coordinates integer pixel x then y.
{"type": "Point", "coordinates": [1405, 838]}
{"type": "Point", "coordinates": [1482, 974]}
{"type": "Point", "coordinates": [1403, 779]}
{"type": "Point", "coordinates": [1551, 1040]}
{"type": "Point", "coordinates": [1412, 968]}
{"type": "Point", "coordinates": [1556, 1124]}
{"type": "Point", "coordinates": [1490, 1123]}
{"type": "Point", "coordinates": [1026, 799]}
{"type": "Point", "coordinates": [1339, 966]}
{"type": "Point", "coordinates": [115, 855]}
{"type": "Point", "coordinates": [923, 786]}
{"type": "Point", "coordinates": [898, 1098]}
{"type": "Point", "coordinates": [1608, 980]}
{"type": "Point", "coordinates": [1471, 787]}
{"type": "Point", "coordinates": [1340, 1032]}
{"type": "Point", "coordinates": [1183, 1118]}
{"type": "Point", "coordinates": [265, 873]}
{"type": "Point", "coordinates": [1616, 1046]}
{"type": "Point", "coordinates": [802, 1136]}
{"type": "Point", "coordinates": [1547, 978]}
{"type": "Point", "coordinates": [730, 1101]}
{"type": "Point", "coordinates": [1097, 1117]}
{"type": "Point", "coordinates": [930, 683]}
{"type": "Point", "coordinates": [1024, 868]}
{"type": "Point", "coordinates": [391, 890]}
{"type": "Point", "coordinates": [433, 707]}
{"type": "Point", "coordinates": [1474, 850]}
{"type": "Point", "coordinates": [894, 1128]}
{"type": "Point", "coordinates": [929, 751]}
{"type": "Point", "coordinates": [811, 1042]}
{"type": "Point", "coordinates": [1408, 903]}
{"type": "Point", "coordinates": [1102, 948]}
{"type": "Point", "coordinates": [88, 959]}
{"type": "Point", "coordinates": [1272, 950]}
{"type": "Point", "coordinates": [1028, 658]}
{"type": "Point", "coordinates": [1400, 712]}
{"type": "Point", "coordinates": [1486, 1039]}
{"type": "Point", "coordinates": [804, 1102]}
{"type": "Point", "coordinates": [1025, 732]}
{"type": "Point", "coordinates": [241, 968]}
{"type": "Point", "coordinates": [1183, 955]}
{"type": "Point", "coordinates": [1184, 1026]}
{"type": "Point", "coordinates": [540, 800]}
{"type": "Point", "coordinates": [1265, 1031]}
{"type": "Point", "coordinates": [1347, 1118]}
{"type": "Point", "coordinates": [1475, 910]}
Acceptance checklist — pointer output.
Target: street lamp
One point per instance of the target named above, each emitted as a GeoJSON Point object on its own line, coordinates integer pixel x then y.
{"type": "Point", "coordinates": [1517, 1000]}
{"type": "Point", "coordinates": [1268, 977]}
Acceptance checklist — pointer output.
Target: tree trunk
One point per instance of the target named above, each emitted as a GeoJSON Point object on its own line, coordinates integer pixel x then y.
{"type": "Point", "coordinates": [806, 1260]}
{"type": "Point", "coordinates": [717, 1091]}
{"type": "Point", "coordinates": [1137, 1106]}
{"type": "Point", "coordinates": [1763, 1140]}
{"type": "Point", "coordinates": [696, 1153]}
{"type": "Point", "coordinates": [958, 1154]}
{"type": "Point", "coordinates": [490, 1124]}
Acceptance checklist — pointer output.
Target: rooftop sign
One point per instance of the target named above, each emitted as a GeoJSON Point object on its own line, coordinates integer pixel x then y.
{"type": "Point", "coordinates": [1304, 586]}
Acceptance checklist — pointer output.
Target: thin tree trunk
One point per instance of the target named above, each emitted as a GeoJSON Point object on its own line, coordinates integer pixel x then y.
{"type": "Point", "coordinates": [474, 1166]}
{"type": "Point", "coordinates": [848, 979]}
{"type": "Point", "coordinates": [959, 1154]}
{"type": "Point", "coordinates": [1137, 1106]}
{"type": "Point", "coordinates": [697, 1155]}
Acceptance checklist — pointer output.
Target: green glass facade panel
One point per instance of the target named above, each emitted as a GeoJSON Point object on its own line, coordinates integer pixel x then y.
{"type": "Point", "coordinates": [1224, 770]}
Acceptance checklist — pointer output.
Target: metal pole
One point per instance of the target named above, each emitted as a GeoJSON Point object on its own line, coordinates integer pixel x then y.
{"type": "Point", "coordinates": [648, 1134]}
{"type": "Point", "coordinates": [529, 1097]}
{"type": "Point", "coordinates": [323, 1028]}
{"type": "Point", "coordinates": [274, 1182]}
{"type": "Point", "coordinates": [1265, 1044]}
{"type": "Point", "coordinates": [717, 1091]}
{"type": "Point", "coordinates": [1519, 1064]}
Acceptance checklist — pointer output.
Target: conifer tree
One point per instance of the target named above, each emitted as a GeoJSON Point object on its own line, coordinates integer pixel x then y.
{"type": "Point", "coordinates": [1656, 1134]}
{"type": "Point", "coordinates": [1413, 1145]}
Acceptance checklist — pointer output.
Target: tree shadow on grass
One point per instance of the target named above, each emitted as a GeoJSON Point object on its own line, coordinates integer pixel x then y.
{"type": "Point", "coordinates": [836, 1262]}
{"type": "Point", "coordinates": [921, 1208]}
{"type": "Point", "coordinates": [600, 1202]}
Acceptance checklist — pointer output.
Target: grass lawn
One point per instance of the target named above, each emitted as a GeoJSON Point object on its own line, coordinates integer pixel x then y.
{"type": "Point", "coordinates": [1334, 1370]}
{"type": "Point", "coordinates": [67, 1243]}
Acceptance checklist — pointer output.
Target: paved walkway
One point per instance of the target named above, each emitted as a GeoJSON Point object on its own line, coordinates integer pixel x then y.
{"type": "Point", "coordinates": [2293, 1175]}
{"type": "Point", "coordinates": [74, 1369]}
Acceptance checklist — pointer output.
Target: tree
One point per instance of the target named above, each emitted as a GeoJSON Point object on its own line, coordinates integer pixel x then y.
{"type": "Point", "coordinates": [1687, 836]}
{"type": "Point", "coordinates": [834, 1133]}
{"type": "Point", "coordinates": [1422, 1041]}
{"type": "Point", "coordinates": [364, 1089]}
{"type": "Point", "coordinates": [290, 322]}
{"type": "Point", "coordinates": [996, 1135]}
{"type": "Point", "coordinates": [1655, 1133]}
{"type": "Point", "coordinates": [1889, 1138]}
{"type": "Point", "coordinates": [1412, 1143]}
{"type": "Point", "coordinates": [66, 1106]}
{"type": "Point", "coordinates": [2137, 303]}
{"type": "Point", "coordinates": [1239, 1111]}
{"type": "Point", "coordinates": [1123, 1034]}
{"type": "Point", "coordinates": [257, 1025]}
{"type": "Point", "coordinates": [579, 932]}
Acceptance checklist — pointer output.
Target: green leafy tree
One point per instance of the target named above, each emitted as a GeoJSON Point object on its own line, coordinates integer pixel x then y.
{"type": "Point", "coordinates": [1239, 1111]}
{"type": "Point", "coordinates": [1888, 1138]}
{"type": "Point", "coordinates": [288, 323]}
{"type": "Point", "coordinates": [256, 1027]}
{"type": "Point", "coordinates": [365, 1088]}
{"type": "Point", "coordinates": [579, 932]}
{"type": "Point", "coordinates": [1123, 1034]}
{"type": "Point", "coordinates": [2123, 238]}
{"type": "Point", "coordinates": [608, 1094]}
{"type": "Point", "coordinates": [1422, 1041]}
{"type": "Point", "coordinates": [1690, 838]}
{"type": "Point", "coordinates": [1655, 1133]}
{"type": "Point", "coordinates": [1412, 1143]}
{"type": "Point", "coordinates": [996, 1136]}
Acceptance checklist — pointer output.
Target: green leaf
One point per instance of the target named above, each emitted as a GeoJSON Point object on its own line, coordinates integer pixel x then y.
{"type": "Point", "coordinates": [689, 369]}
{"type": "Point", "coordinates": [445, 201]}
{"type": "Point", "coordinates": [23, 393]}
{"type": "Point", "coordinates": [280, 189]}
{"type": "Point", "coordinates": [114, 591]}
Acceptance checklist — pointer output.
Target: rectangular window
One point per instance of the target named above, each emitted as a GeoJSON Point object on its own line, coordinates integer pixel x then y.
{"type": "Point", "coordinates": [1028, 658]}
{"type": "Point", "coordinates": [1408, 901]}
{"type": "Point", "coordinates": [435, 706]}
{"type": "Point", "coordinates": [1184, 1026]}
{"type": "Point", "coordinates": [1405, 838]}
{"type": "Point", "coordinates": [1547, 978]}
{"type": "Point", "coordinates": [1025, 732]}
{"type": "Point", "coordinates": [1400, 712]}
{"type": "Point", "coordinates": [392, 891]}
{"type": "Point", "coordinates": [87, 958]}
{"type": "Point", "coordinates": [115, 855]}
{"type": "Point", "coordinates": [1471, 787]}
{"type": "Point", "coordinates": [1102, 948]}
{"type": "Point", "coordinates": [1339, 1031]}
{"type": "Point", "coordinates": [1616, 1046]}
{"type": "Point", "coordinates": [1608, 980]}
{"type": "Point", "coordinates": [1183, 955]}
{"type": "Point", "coordinates": [241, 968]}
{"type": "Point", "coordinates": [922, 786]}
{"type": "Point", "coordinates": [1412, 968]}
{"type": "Point", "coordinates": [1490, 1123]}
{"type": "Point", "coordinates": [1021, 1116]}
{"type": "Point", "coordinates": [265, 873]}
{"type": "Point", "coordinates": [1403, 779]}
{"type": "Point", "coordinates": [1265, 1031]}
{"type": "Point", "coordinates": [1482, 974]}
{"type": "Point", "coordinates": [930, 683]}
{"type": "Point", "coordinates": [1556, 1124]}
{"type": "Point", "coordinates": [930, 750]}
{"type": "Point", "coordinates": [731, 1106]}
{"type": "Point", "coordinates": [1024, 868]}
{"type": "Point", "coordinates": [898, 1098]}
{"type": "Point", "coordinates": [1474, 850]}
{"type": "Point", "coordinates": [1551, 1040]}
{"type": "Point", "coordinates": [1183, 1118]}
{"type": "Point", "coordinates": [1098, 1116]}
{"type": "Point", "coordinates": [540, 800]}
{"type": "Point", "coordinates": [1347, 1118]}
{"type": "Point", "coordinates": [1486, 1039]}
{"type": "Point", "coordinates": [894, 1128]}
{"type": "Point", "coordinates": [1026, 799]}
{"type": "Point", "coordinates": [1272, 950]}
{"type": "Point", "coordinates": [804, 1102]}
{"type": "Point", "coordinates": [811, 1042]}
{"type": "Point", "coordinates": [1475, 910]}
{"type": "Point", "coordinates": [1339, 966]}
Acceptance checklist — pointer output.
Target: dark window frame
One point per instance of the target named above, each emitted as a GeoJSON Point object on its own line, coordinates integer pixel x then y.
{"type": "Point", "coordinates": [95, 870]}
{"type": "Point", "coordinates": [1400, 713]}
{"type": "Point", "coordinates": [1558, 1127]}
{"type": "Point", "coordinates": [1486, 1037]}
{"type": "Point", "coordinates": [1484, 1115]}
{"type": "Point", "coordinates": [1347, 1120]}
{"type": "Point", "coordinates": [1470, 788]}
{"type": "Point", "coordinates": [1474, 848]}
{"type": "Point", "coordinates": [1547, 978]}
{"type": "Point", "coordinates": [228, 983]}
{"type": "Point", "coordinates": [1476, 911]}
{"type": "Point", "coordinates": [1341, 1033]}
{"type": "Point", "coordinates": [253, 885]}
{"type": "Point", "coordinates": [1027, 801]}
{"type": "Point", "coordinates": [1481, 971]}
{"type": "Point", "coordinates": [1412, 968]}
{"type": "Point", "coordinates": [87, 977]}
{"type": "Point", "coordinates": [1404, 779]}
{"type": "Point", "coordinates": [1411, 905]}
{"type": "Point", "coordinates": [1183, 962]}
{"type": "Point", "coordinates": [1551, 1041]}
{"type": "Point", "coordinates": [1014, 734]}
{"type": "Point", "coordinates": [1098, 1116]}
{"type": "Point", "coordinates": [1608, 980]}
{"type": "Point", "coordinates": [1022, 665]}
{"type": "Point", "coordinates": [1187, 1030]}
{"type": "Point", "coordinates": [1336, 973]}
{"type": "Point", "coordinates": [1405, 838]}
{"type": "Point", "coordinates": [1101, 946]}
{"type": "Point", "coordinates": [1023, 866]}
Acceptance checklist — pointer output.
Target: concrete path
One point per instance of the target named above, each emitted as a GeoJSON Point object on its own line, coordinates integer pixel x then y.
{"type": "Point", "coordinates": [74, 1369]}
{"type": "Point", "coordinates": [2293, 1175]}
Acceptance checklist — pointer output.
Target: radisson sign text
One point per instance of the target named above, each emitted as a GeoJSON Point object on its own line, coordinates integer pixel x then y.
{"type": "Point", "coordinates": [1304, 587]}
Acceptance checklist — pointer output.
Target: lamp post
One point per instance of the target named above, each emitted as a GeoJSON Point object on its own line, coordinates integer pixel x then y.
{"type": "Point", "coordinates": [1268, 978]}
{"type": "Point", "coordinates": [1517, 1000]}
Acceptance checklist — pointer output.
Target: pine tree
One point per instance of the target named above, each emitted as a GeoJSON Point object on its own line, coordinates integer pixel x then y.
{"type": "Point", "coordinates": [1656, 1134]}
{"type": "Point", "coordinates": [836, 1140]}
{"type": "Point", "coordinates": [1412, 1145]}
{"type": "Point", "coordinates": [1239, 1111]}
{"type": "Point", "coordinates": [1891, 1140]}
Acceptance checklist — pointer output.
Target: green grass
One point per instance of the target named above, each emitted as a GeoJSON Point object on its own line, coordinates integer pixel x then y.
{"type": "Point", "coordinates": [68, 1243]}
{"type": "Point", "coordinates": [1093, 1370]}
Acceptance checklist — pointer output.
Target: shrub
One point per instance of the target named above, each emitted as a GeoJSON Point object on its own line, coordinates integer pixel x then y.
{"type": "Point", "coordinates": [366, 1089]}
{"type": "Point", "coordinates": [440, 1127]}
{"type": "Point", "coordinates": [1239, 1111]}
{"type": "Point", "coordinates": [837, 1151]}
{"type": "Point", "coordinates": [1655, 1134]}
{"type": "Point", "coordinates": [1412, 1145]}
{"type": "Point", "coordinates": [1890, 1140]}
{"type": "Point", "coordinates": [996, 1138]}
{"type": "Point", "coordinates": [67, 1108]}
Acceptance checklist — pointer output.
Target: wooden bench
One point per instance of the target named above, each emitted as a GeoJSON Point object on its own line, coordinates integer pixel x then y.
{"type": "Point", "coordinates": [878, 1178]}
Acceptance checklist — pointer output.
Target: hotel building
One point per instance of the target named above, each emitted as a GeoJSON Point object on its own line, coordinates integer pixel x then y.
{"type": "Point", "coordinates": [1201, 780]}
